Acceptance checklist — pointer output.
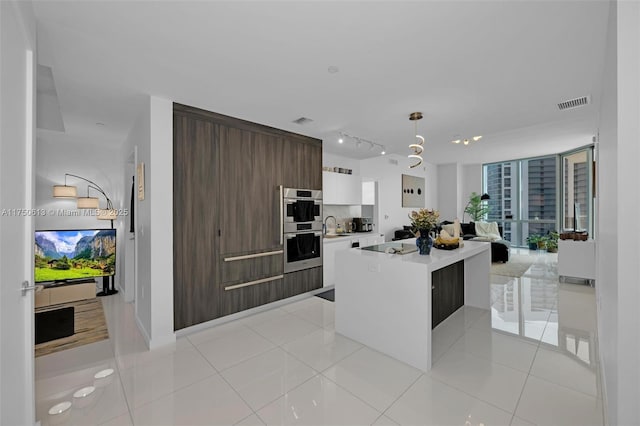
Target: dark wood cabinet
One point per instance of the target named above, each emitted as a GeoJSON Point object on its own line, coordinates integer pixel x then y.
{"type": "Point", "coordinates": [302, 164]}
{"type": "Point", "coordinates": [447, 292]}
{"type": "Point", "coordinates": [302, 281]}
{"type": "Point", "coordinates": [227, 213]}
{"type": "Point", "coordinates": [195, 221]}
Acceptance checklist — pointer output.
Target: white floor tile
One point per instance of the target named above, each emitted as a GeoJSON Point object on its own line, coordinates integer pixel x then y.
{"type": "Point", "coordinates": [517, 421]}
{"type": "Point", "coordinates": [479, 377]}
{"type": "Point", "coordinates": [123, 420]}
{"type": "Point", "coordinates": [216, 332]}
{"type": "Point", "coordinates": [502, 349]}
{"type": "Point", "coordinates": [309, 301]}
{"type": "Point", "coordinates": [285, 329]}
{"type": "Point", "coordinates": [252, 420]}
{"type": "Point", "coordinates": [263, 317]}
{"type": "Point", "coordinates": [264, 378]}
{"type": "Point", "coordinates": [430, 402]}
{"type": "Point", "coordinates": [318, 401]}
{"type": "Point", "coordinates": [545, 403]}
{"type": "Point", "coordinates": [208, 402]}
{"type": "Point", "coordinates": [385, 421]}
{"type": "Point", "coordinates": [320, 315]}
{"type": "Point", "coordinates": [561, 369]}
{"type": "Point", "coordinates": [104, 404]}
{"type": "Point", "coordinates": [373, 377]}
{"type": "Point", "coordinates": [163, 376]}
{"type": "Point", "coordinates": [144, 357]}
{"type": "Point", "coordinates": [234, 348]}
{"type": "Point", "coordinates": [321, 349]}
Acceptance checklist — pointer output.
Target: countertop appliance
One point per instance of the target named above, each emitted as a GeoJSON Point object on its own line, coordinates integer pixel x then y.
{"type": "Point", "coordinates": [362, 224]}
{"type": "Point", "coordinates": [302, 228]}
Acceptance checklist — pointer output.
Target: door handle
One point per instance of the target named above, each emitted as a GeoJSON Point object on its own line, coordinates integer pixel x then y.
{"type": "Point", "coordinates": [281, 198]}
{"type": "Point", "coordinates": [26, 287]}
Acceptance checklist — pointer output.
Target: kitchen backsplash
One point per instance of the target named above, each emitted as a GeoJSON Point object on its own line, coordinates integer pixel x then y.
{"type": "Point", "coordinates": [343, 214]}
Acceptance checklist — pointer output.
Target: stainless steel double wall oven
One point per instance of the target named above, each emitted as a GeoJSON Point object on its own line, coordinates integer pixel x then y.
{"type": "Point", "coordinates": [302, 228]}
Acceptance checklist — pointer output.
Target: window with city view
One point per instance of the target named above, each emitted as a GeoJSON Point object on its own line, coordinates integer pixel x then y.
{"type": "Point", "coordinates": [523, 196]}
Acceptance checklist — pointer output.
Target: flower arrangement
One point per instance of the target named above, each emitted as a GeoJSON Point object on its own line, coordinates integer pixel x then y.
{"type": "Point", "coordinates": [424, 219]}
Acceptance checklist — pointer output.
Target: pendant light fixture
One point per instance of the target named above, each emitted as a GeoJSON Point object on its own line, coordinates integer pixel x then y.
{"type": "Point", "coordinates": [417, 147]}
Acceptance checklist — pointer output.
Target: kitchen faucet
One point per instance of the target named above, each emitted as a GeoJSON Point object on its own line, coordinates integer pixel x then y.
{"type": "Point", "coordinates": [335, 222]}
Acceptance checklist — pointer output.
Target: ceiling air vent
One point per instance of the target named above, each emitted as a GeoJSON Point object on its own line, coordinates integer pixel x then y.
{"type": "Point", "coordinates": [574, 103]}
{"type": "Point", "coordinates": [303, 121]}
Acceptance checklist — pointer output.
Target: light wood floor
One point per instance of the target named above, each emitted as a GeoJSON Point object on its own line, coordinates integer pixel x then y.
{"type": "Point", "coordinates": [90, 326]}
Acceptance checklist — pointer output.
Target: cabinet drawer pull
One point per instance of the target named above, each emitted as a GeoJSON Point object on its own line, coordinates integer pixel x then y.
{"type": "Point", "coordinates": [260, 281]}
{"type": "Point", "coordinates": [253, 256]}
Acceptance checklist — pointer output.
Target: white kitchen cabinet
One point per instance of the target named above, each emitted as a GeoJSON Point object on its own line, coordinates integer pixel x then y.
{"type": "Point", "coordinates": [329, 259]}
{"type": "Point", "coordinates": [340, 188]}
{"type": "Point", "coordinates": [577, 259]}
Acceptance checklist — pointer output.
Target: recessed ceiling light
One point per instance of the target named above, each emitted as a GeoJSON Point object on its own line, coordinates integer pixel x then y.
{"type": "Point", "coordinates": [333, 69]}
{"type": "Point", "coordinates": [383, 152]}
{"type": "Point", "coordinates": [340, 140]}
{"type": "Point", "coordinates": [456, 141]}
{"type": "Point", "coordinates": [477, 138]}
{"type": "Point", "coordinates": [466, 141]}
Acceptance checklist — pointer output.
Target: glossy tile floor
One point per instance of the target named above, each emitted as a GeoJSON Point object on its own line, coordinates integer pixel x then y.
{"type": "Point", "coordinates": [531, 360]}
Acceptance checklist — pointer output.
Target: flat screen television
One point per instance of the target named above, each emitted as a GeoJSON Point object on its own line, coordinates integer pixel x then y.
{"type": "Point", "coordinates": [73, 254]}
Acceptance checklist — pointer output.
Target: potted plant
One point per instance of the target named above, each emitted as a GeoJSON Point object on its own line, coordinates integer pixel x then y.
{"type": "Point", "coordinates": [533, 240]}
{"type": "Point", "coordinates": [552, 242]}
{"type": "Point", "coordinates": [476, 208]}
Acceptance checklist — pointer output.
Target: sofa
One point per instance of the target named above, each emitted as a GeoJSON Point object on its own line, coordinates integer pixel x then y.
{"type": "Point", "coordinates": [499, 248]}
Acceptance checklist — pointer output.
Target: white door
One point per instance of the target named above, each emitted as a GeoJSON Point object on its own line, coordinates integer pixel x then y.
{"type": "Point", "coordinates": [16, 225]}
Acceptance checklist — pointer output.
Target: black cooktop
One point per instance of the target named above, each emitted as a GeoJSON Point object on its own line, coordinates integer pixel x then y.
{"type": "Point", "coordinates": [392, 248]}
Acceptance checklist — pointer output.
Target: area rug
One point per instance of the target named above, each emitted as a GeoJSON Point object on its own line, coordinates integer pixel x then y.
{"type": "Point", "coordinates": [90, 326]}
{"type": "Point", "coordinates": [515, 267]}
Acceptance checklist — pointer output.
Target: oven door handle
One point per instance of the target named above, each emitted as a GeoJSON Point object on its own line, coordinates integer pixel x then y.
{"type": "Point", "coordinates": [281, 200]}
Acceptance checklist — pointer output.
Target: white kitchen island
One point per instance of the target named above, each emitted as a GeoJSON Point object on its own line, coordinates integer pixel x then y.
{"type": "Point", "coordinates": [384, 300]}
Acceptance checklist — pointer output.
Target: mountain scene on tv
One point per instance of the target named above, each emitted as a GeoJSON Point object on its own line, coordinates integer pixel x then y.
{"type": "Point", "coordinates": [68, 255]}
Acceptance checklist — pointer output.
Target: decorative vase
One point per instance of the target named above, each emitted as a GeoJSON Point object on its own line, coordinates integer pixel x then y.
{"type": "Point", "coordinates": [424, 242]}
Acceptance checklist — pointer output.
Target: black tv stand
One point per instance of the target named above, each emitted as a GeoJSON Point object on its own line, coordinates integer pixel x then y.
{"type": "Point", "coordinates": [108, 287]}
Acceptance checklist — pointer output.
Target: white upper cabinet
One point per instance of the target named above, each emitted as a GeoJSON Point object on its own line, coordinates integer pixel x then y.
{"type": "Point", "coordinates": [340, 188]}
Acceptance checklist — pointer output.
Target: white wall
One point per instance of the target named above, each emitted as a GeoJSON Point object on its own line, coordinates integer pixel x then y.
{"type": "Point", "coordinates": [618, 262]}
{"type": "Point", "coordinates": [153, 135]}
{"type": "Point", "coordinates": [388, 171]}
{"type": "Point", "coordinates": [17, 115]}
{"type": "Point", "coordinates": [332, 160]}
{"type": "Point", "coordinates": [449, 191]}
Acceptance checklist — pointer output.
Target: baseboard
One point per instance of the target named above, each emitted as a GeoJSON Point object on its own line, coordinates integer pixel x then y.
{"type": "Point", "coordinates": [143, 331]}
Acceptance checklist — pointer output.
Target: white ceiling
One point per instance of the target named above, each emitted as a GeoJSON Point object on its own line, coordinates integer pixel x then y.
{"type": "Point", "coordinates": [497, 69]}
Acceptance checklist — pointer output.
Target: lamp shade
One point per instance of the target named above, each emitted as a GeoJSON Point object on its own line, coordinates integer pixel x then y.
{"type": "Point", "coordinates": [64, 191]}
{"type": "Point", "coordinates": [88, 203]}
{"type": "Point", "coordinates": [485, 196]}
{"type": "Point", "coordinates": [107, 214]}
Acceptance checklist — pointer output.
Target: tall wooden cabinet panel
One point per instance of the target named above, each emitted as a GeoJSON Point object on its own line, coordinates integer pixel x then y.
{"type": "Point", "coordinates": [195, 222]}
{"type": "Point", "coordinates": [302, 164]}
{"type": "Point", "coordinates": [250, 175]}
{"type": "Point", "coordinates": [227, 213]}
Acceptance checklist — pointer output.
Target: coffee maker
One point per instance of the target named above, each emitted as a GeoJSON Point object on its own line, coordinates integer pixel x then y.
{"type": "Point", "coordinates": [362, 224]}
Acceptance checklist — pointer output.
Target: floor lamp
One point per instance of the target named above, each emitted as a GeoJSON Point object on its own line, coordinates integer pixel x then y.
{"type": "Point", "coordinates": [69, 191]}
